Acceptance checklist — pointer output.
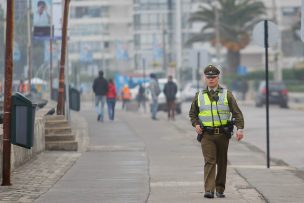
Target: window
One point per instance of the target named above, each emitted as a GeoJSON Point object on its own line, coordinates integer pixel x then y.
{"type": "Point", "coordinates": [93, 12]}
{"type": "Point", "coordinates": [90, 29]}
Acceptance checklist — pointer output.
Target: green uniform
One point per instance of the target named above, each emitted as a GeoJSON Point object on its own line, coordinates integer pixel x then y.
{"type": "Point", "coordinates": [215, 146]}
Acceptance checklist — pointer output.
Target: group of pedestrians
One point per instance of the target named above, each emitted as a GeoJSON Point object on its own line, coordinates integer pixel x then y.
{"type": "Point", "coordinates": [105, 91]}
{"type": "Point", "coordinates": [170, 91]}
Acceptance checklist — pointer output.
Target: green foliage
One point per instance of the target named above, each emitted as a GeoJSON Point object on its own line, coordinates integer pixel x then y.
{"type": "Point", "coordinates": [259, 75]}
{"type": "Point", "coordinates": [293, 78]}
{"type": "Point", "coordinates": [236, 21]}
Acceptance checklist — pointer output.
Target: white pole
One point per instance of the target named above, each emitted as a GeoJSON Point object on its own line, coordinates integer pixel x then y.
{"type": "Point", "coordinates": [178, 40]}
{"type": "Point", "coordinates": [277, 47]}
{"type": "Point", "coordinates": [217, 34]}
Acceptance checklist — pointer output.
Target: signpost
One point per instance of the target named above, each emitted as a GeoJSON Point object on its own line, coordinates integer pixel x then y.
{"type": "Point", "coordinates": [266, 34]}
{"type": "Point", "coordinates": [302, 21]}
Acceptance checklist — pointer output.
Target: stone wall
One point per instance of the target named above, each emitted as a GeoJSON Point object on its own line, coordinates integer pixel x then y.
{"type": "Point", "coordinates": [20, 155]}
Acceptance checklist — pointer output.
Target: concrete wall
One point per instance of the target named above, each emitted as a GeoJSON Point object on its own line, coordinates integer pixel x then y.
{"type": "Point", "coordinates": [20, 155]}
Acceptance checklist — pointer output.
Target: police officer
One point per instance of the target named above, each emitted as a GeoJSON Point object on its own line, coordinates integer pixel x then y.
{"type": "Point", "coordinates": [210, 113]}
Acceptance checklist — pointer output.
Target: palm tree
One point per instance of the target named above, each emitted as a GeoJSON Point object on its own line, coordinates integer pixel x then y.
{"type": "Point", "coordinates": [236, 21]}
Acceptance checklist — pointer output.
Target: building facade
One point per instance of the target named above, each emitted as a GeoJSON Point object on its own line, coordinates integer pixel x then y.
{"type": "Point", "coordinates": [101, 35]}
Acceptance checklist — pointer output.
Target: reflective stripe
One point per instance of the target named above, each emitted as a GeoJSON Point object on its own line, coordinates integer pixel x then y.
{"type": "Point", "coordinates": [205, 114]}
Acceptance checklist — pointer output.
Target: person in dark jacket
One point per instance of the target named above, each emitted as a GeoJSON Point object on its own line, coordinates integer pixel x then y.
{"type": "Point", "coordinates": [141, 98]}
{"type": "Point", "coordinates": [111, 99]}
{"type": "Point", "coordinates": [100, 88]}
{"type": "Point", "coordinates": [170, 91]}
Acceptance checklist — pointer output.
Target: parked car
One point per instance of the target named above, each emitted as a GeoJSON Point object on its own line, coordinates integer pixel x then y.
{"type": "Point", "coordinates": [278, 94]}
{"type": "Point", "coordinates": [188, 93]}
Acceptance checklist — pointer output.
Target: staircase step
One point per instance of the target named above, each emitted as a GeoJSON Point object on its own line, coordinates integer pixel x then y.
{"type": "Point", "coordinates": [56, 123]}
{"type": "Point", "coordinates": [61, 146]}
{"type": "Point", "coordinates": [58, 130]}
{"type": "Point", "coordinates": [55, 117]}
{"type": "Point", "coordinates": [62, 137]}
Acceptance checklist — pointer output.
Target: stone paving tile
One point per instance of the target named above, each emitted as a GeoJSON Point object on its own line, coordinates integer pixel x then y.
{"type": "Point", "coordinates": [37, 176]}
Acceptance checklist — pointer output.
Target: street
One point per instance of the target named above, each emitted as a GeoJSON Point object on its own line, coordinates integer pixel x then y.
{"type": "Point", "coordinates": [286, 132]}
{"type": "Point", "coordinates": [135, 159]}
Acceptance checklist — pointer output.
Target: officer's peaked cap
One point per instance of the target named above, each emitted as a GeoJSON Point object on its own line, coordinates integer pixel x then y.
{"type": "Point", "coordinates": [211, 70]}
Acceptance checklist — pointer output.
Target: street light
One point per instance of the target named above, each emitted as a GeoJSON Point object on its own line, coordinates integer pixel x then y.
{"type": "Point", "coordinates": [216, 6]}
{"type": "Point", "coordinates": [178, 40]}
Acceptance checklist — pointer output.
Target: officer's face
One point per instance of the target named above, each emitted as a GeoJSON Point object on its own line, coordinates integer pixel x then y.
{"type": "Point", "coordinates": [212, 81]}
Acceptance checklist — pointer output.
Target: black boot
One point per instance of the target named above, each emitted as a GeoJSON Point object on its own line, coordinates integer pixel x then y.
{"type": "Point", "coordinates": [209, 194]}
{"type": "Point", "coordinates": [220, 194]}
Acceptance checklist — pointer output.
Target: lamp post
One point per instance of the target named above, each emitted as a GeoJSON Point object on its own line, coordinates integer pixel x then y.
{"type": "Point", "coordinates": [164, 44]}
{"type": "Point", "coordinates": [60, 105]}
{"type": "Point", "coordinates": [178, 40]}
{"type": "Point", "coordinates": [216, 6]}
{"type": "Point", "coordinates": [29, 46]}
{"type": "Point", "coordinates": [6, 167]}
{"type": "Point", "coordinates": [277, 47]}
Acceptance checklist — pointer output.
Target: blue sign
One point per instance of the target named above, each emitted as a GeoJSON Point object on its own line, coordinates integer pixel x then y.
{"type": "Point", "coordinates": [242, 70]}
{"type": "Point", "coordinates": [86, 54]}
{"type": "Point", "coordinates": [121, 51]}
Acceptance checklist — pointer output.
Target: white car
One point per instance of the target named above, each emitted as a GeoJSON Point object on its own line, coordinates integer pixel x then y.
{"type": "Point", "coordinates": [189, 91]}
{"type": "Point", "coordinates": [162, 103]}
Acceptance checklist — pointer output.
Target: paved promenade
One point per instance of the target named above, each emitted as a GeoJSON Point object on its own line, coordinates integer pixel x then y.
{"type": "Point", "coordinates": [135, 159]}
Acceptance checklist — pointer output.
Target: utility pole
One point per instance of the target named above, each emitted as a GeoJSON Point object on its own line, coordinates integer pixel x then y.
{"type": "Point", "coordinates": [277, 47]}
{"type": "Point", "coordinates": [60, 105]}
{"type": "Point", "coordinates": [217, 33]}
{"type": "Point", "coordinates": [6, 166]}
{"type": "Point", "coordinates": [51, 52]}
{"type": "Point", "coordinates": [164, 45]}
{"type": "Point", "coordinates": [178, 40]}
{"type": "Point", "coordinates": [29, 46]}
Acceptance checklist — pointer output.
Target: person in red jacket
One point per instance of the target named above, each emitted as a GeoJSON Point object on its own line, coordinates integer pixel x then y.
{"type": "Point", "coordinates": [111, 99]}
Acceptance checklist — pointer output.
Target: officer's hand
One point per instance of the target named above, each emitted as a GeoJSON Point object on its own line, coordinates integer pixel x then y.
{"type": "Point", "coordinates": [198, 129]}
{"type": "Point", "coordinates": [239, 135]}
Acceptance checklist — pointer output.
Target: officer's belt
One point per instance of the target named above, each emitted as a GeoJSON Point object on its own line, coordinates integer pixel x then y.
{"type": "Point", "coordinates": [215, 130]}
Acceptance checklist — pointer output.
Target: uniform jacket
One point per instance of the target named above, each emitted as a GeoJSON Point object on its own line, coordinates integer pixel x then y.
{"type": "Point", "coordinates": [233, 106]}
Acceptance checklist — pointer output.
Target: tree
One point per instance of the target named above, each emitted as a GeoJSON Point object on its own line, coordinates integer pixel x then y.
{"type": "Point", "coordinates": [236, 21]}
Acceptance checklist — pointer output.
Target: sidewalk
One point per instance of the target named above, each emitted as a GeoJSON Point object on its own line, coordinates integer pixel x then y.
{"type": "Point", "coordinates": [135, 159]}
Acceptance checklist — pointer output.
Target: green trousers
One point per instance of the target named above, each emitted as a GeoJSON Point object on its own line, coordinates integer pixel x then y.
{"type": "Point", "coordinates": [215, 149]}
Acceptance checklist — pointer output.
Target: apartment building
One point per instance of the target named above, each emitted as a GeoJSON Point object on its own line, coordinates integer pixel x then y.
{"type": "Point", "coordinates": [101, 35]}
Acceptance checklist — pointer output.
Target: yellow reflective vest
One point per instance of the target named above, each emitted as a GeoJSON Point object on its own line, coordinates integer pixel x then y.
{"type": "Point", "coordinates": [213, 113]}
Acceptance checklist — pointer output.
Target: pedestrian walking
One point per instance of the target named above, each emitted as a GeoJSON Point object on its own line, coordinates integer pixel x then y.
{"type": "Point", "coordinates": [141, 97]}
{"type": "Point", "coordinates": [100, 88]}
{"type": "Point", "coordinates": [22, 88]}
{"type": "Point", "coordinates": [170, 91]}
{"type": "Point", "coordinates": [125, 96]}
{"type": "Point", "coordinates": [210, 113]}
{"type": "Point", "coordinates": [155, 91]}
{"type": "Point", "coordinates": [244, 89]}
{"type": "Point", "coordinates": [111, 99]}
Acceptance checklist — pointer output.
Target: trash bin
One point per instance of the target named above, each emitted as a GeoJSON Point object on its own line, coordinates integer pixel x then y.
{"type": "Point", "coordinates": [22, 121]}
